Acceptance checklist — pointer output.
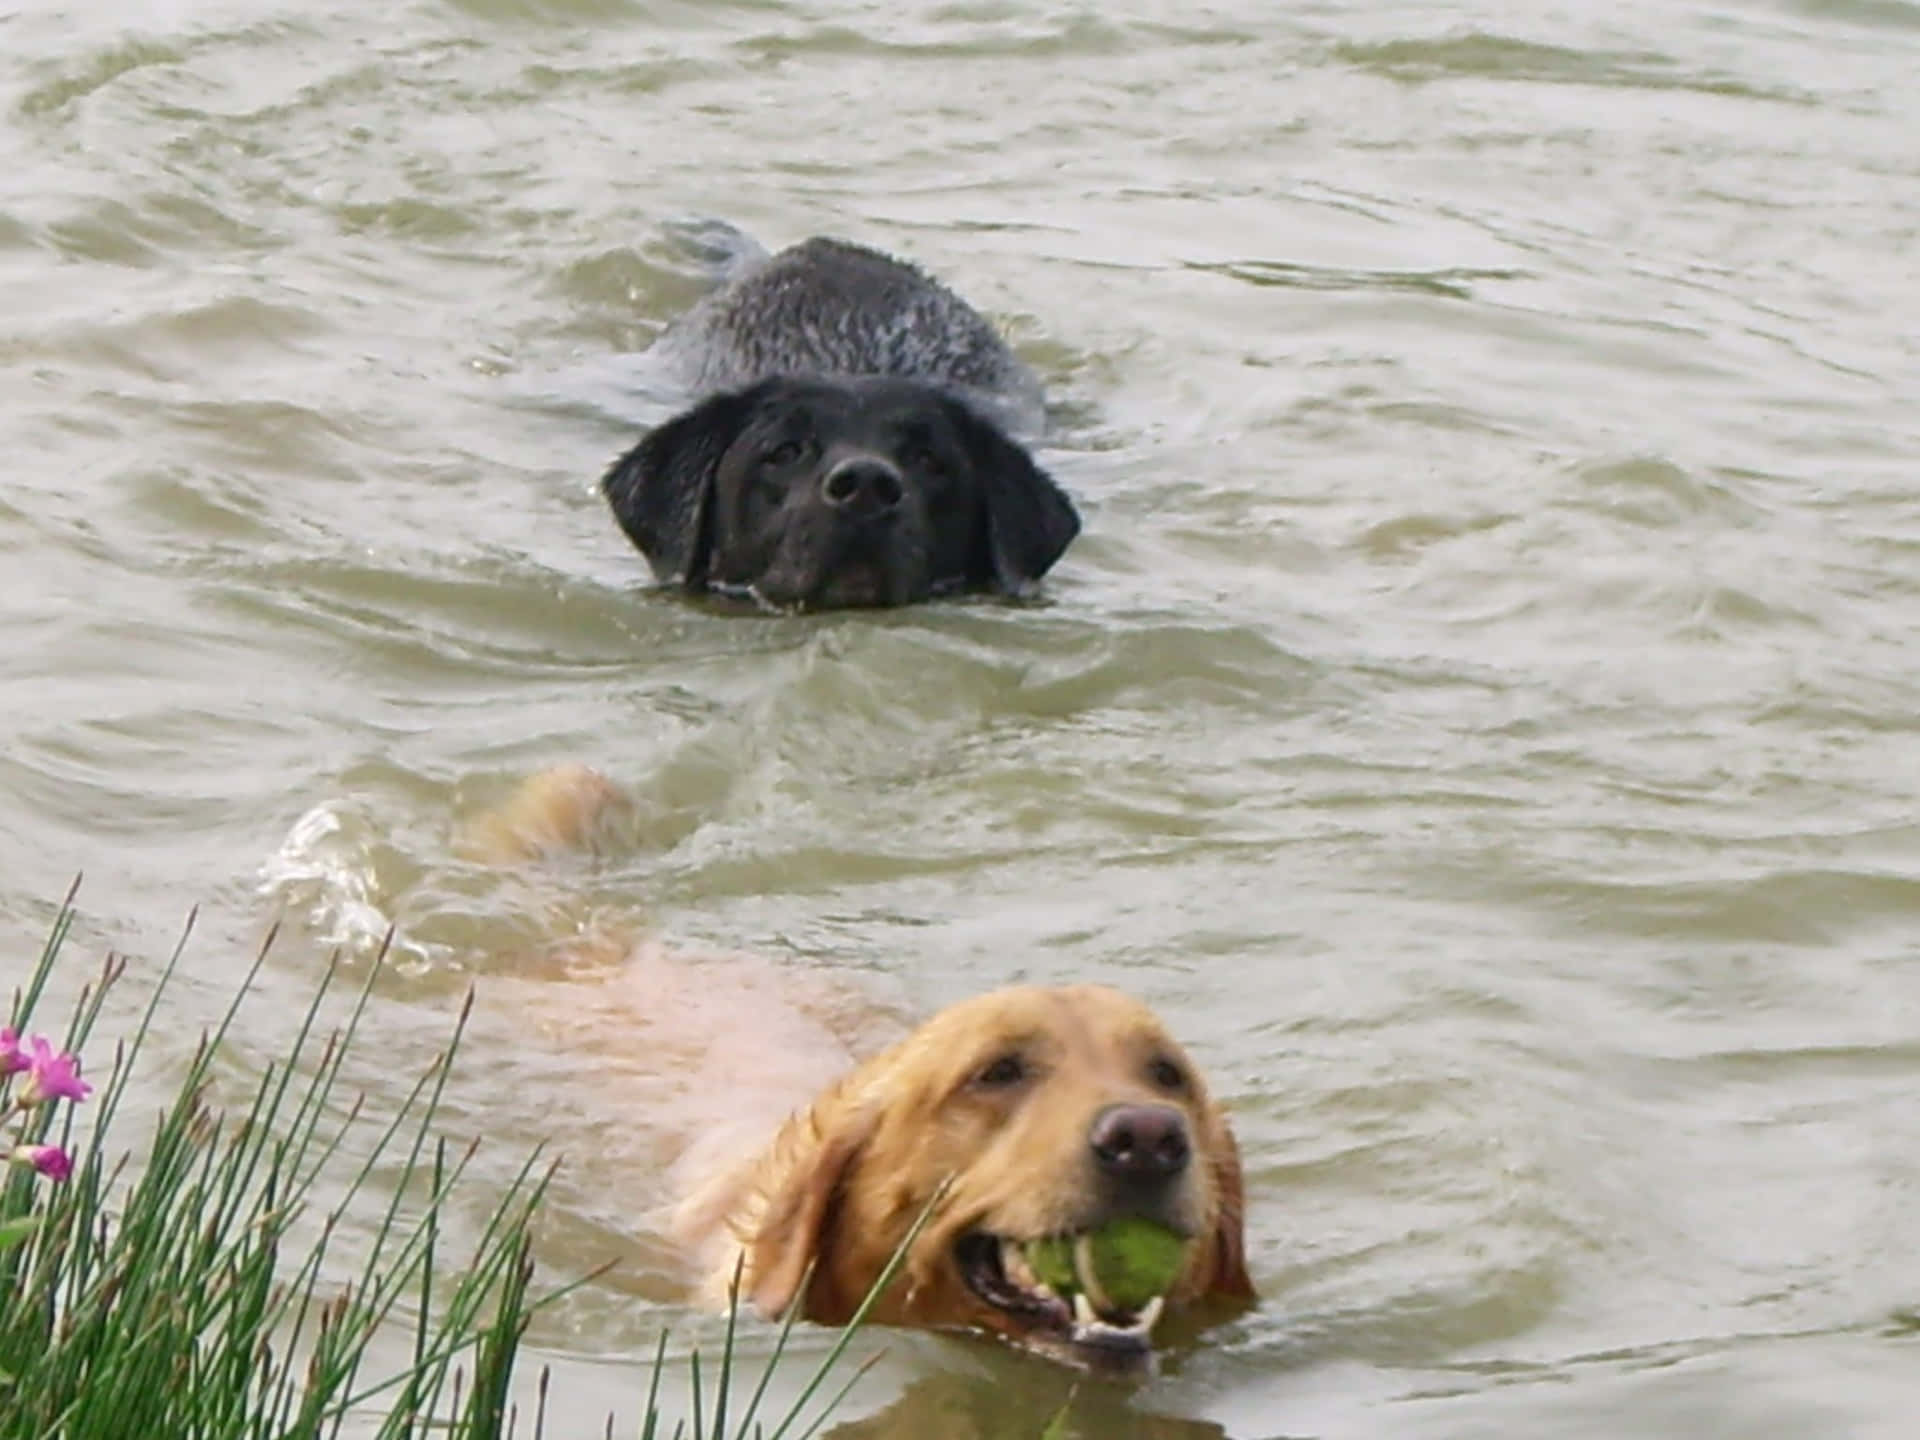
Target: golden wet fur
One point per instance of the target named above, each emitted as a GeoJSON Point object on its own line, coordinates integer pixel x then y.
{"type": "Point", "coordinates": [840, 1183]}
{"type": "Point", "coordinates": [844, 1179]}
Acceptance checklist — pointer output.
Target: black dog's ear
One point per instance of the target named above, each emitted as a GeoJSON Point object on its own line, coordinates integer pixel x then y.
{"type": "Point", "coordinates": [661, 491]}
{"type": "Point", "coordinates": [1030, 520]}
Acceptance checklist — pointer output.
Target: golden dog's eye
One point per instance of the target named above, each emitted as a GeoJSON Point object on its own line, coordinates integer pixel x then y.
{"type": "Point", "coordinates": [1166, 1074]}
{"type": "Point", "coordinates": [1007, 1070]}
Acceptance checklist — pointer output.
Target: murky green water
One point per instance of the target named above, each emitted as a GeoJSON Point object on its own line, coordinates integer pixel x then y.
{"type": "Point", "coordinates": [1481, 712]}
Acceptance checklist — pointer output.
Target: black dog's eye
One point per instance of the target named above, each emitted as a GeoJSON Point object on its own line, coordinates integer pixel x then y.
{"type": "Point", "coordinates": [785, 453]}
{"type": "Point", "coordinates": [919, 455]}
{"type": "Point", "coordinates": [1166, 1074]}
{"type": "Point", "coordinates": [1007, 1070]}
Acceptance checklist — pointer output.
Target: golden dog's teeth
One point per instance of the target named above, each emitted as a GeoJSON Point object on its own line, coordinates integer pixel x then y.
{"type": "Point", "coordinates": [1013, 1264]}
{"type": "Point", "coordinates": [1150, 1315]}
{"type": "Point", "coordinates": [1088, 1274]}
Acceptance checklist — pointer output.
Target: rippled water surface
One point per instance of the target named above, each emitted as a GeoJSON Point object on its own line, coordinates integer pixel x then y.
{"type": "Point", "coordinates": [1481, 712]}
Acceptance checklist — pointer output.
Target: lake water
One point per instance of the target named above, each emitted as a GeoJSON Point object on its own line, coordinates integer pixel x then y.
{"type": "Point", "coordinates": [1482, 714]}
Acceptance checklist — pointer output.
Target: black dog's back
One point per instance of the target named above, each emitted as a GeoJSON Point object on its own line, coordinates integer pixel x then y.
{"type": "Point", "coordinates": [826, 307]}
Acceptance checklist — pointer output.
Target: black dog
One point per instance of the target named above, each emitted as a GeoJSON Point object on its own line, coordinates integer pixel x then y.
{"type": "Point", "coordinates": [855, 453]}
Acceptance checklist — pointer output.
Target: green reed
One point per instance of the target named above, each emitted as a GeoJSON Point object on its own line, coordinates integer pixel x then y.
{"type": "Point", "coordinates": [202, 1290]}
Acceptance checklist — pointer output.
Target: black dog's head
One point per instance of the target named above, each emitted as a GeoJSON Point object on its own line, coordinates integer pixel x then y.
{"type": "Point", "coordinates": [815, 493]}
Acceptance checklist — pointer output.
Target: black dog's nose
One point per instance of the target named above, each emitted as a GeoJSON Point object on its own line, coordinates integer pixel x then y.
{"type": "Point", "coordinates": [868, 487]}
{"type": "Point", "coordinates": [1140, 1142]}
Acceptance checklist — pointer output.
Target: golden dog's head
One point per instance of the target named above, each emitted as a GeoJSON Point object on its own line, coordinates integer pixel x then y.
{"type": "Point", "coordinates": [1027, 1113]}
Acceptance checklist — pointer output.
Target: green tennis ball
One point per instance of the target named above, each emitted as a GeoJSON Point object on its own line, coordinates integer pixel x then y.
{"type": "Point", "coordinates": [1051, 1261]}
{"type": "Point", "coordinates": [1132, 1260]}
{"type": "Point", "coordinates": [1120, 1266]}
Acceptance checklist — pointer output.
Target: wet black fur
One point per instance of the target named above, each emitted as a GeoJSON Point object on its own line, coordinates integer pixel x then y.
{"type": "Point", "coordinates": [715, 501]}
{"type": "Point", "coordinates": [859, 360]}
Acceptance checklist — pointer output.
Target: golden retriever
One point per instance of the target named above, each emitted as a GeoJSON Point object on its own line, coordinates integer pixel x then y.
{"type": "Point", "coordinates": [1025, 1113]}
{"type": "Point", "coordinates": [1012, 1117]}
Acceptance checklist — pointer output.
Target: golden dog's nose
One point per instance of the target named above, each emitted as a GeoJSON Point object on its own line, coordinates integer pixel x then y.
{"type": "Point", "coordinates": [1141, 1143]}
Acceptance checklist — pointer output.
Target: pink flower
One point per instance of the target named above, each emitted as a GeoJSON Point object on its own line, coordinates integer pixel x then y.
{"type": "Point", "coordinates": [50, 1160]}
{"type": "Point", "coordinates": [51, 1076]}
{"type": "Point", "coordinates": [11, 1057]}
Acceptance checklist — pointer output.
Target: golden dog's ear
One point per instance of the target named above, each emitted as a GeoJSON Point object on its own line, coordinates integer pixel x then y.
{"type": "Point", "coordinates": [1230, 1276]}
{"type": "Point", "coordinates": [799, 1227]}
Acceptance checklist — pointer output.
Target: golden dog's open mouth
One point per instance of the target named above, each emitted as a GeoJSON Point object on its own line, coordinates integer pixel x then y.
{"type": "Point", "coordinates": [1091, 1298]}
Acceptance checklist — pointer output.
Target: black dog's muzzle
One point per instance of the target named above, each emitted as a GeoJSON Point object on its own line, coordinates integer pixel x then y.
{"type": "Point", "coordinates": [865, 490]}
